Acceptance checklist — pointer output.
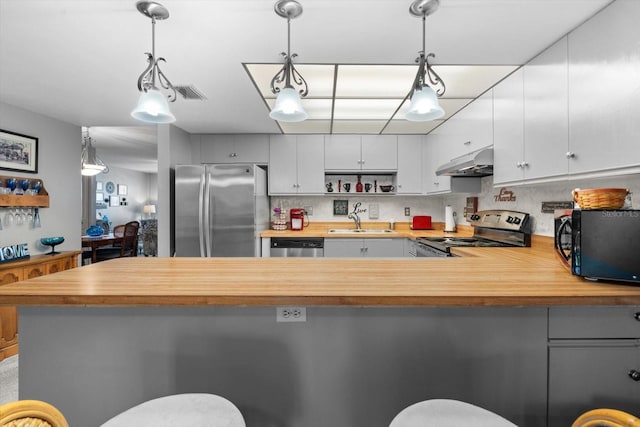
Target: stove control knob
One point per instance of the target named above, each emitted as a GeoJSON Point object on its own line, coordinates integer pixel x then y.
{"type": "Point", "coordinates": [517, 221]}
{"type": "Point", "coordinates": [510, 219]}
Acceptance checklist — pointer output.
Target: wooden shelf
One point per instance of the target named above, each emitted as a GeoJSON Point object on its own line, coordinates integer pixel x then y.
{"type": "Point", "coordinates": [41, 200]}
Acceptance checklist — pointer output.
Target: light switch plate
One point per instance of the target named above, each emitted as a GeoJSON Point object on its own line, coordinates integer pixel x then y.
{"type": "Point", "coordinates": [374, 211]}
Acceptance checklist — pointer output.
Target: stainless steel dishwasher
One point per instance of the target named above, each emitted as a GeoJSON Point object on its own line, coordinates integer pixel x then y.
{"type": "Point", "coordinates": [308, 247]}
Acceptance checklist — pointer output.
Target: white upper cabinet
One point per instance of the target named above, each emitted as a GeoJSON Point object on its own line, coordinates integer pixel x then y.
{"type": "Point", "coordinates": [361, 152]}
{"type": "Point", "coordinates": [409, 177]}
{"type": "Point", "coordinates": [546, 115]}
{"type": "Point", "coordinates": [296, 164]}
{"type": "Point", "coordinates": [435, 152]}
{"type": "Point", "coordinates": [604, 89]}
{"type": "Point", "coordinates": [234, 149]}
{"type": "Point", "coordinates": [508, 129]}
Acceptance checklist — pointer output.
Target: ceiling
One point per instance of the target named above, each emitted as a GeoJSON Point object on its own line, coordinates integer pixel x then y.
{"type": "Point", "coordinates": [78, 60]}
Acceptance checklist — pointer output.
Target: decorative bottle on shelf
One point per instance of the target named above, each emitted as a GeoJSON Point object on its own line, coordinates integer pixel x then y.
{"type": "Point", "coordinates": [359, 184]}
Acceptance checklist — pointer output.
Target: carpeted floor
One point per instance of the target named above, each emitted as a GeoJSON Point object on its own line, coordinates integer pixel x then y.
{"type": "Point", "coordinates": [9, 379]}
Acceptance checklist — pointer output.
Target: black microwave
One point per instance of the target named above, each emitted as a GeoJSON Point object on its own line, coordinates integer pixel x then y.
{"type": "Point", "coordinates": [600, 244]}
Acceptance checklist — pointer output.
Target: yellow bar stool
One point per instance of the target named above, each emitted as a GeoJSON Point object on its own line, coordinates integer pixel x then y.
{"type": "Point", "coordinates": [447, 413]}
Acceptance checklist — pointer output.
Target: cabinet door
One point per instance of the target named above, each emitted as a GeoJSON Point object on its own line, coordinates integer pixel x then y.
{"type": "Point", "coordinates": [342, 152]}
{"type": "Point", "coordinates": [9, 315]}
{"type": "Point", "coordinates": [409, 178]}
{"type": "Point", "coordinates": [546, 117]}
{"type": "Point", "coordinates": [379, 152]}
{"type": "Point", "coordinates": [508, 129]}
{"type": "Point", "coordinates": [383, 248]}
{"type": "Point", "coordinates": [433, 155]}
{"type": "Point", "coordinates": [604, 88]}
{"type": "Point", "coordinates": [343, 248]}
{"type": "Point", "coordinates": [234, 149]}
{"type": "Point", "coordinates": [35, 271]}
{"type": "Point", "coordinates": [282, 164]}
{"type": "Point", "coordinates": [310, 164]}
{"type": "Point", "coordinates": [591, 374]}
{"type": "Point", "coordinates": [475, 126]}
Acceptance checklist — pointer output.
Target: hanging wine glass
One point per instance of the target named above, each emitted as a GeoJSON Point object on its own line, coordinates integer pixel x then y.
{"type": "Point", "coordinates": [30, 216]}
{"type": "Point", "coordinates": [18, 217]}
{"type": "Point", "coordinates": [8, 218]}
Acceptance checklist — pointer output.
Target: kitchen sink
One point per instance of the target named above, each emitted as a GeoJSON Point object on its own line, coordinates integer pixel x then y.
{"type": "Point", "coordinates": [361, 231]}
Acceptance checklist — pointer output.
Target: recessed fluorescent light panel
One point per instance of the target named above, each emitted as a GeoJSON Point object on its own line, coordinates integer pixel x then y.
{"type": "Point", "coordinates": [371, 99]}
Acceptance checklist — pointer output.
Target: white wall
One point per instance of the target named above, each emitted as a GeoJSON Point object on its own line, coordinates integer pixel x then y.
{"type": "Point", "coordinates": [59, 150]}
{"type": "Point", "coordinates": [529, 198]}
{"type": "Point", "coordinates": [141, 190]}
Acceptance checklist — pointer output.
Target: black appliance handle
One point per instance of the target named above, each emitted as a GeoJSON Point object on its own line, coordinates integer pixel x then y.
{"type": "Point", "coordinates": [564, 257]}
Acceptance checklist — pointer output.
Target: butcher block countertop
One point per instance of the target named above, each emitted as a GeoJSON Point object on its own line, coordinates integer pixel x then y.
{"type": "Point", "coordinates": [478, 277]}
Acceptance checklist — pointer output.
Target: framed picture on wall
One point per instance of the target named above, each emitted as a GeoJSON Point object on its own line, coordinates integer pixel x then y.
{"type": "Point", "coordinates": [18, 152]}
{"type": "Point", "coordinates": [114, 201]}
{"type": "Point", "coordinates": [122, 190]}
{"type": "Point", "coordinates": [99, 186]}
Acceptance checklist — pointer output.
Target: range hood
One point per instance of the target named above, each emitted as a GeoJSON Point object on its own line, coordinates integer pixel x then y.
{"type": "Point", "coordinates": [474, 164]}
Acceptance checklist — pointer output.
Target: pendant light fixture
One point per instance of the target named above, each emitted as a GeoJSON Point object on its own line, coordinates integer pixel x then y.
{"type": "Point", "coordinates": [288, 107]}
{"type": "Point", "coordinates": [91, 163]}
{"type": "Point", "coordinates": [152, 106]}
{"type": "Point", "coordinates": [427, 85]}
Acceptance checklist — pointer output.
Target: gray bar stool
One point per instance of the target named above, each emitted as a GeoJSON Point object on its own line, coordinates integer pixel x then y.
{"type": "Point", "coordinates": [447, 413]}
{"type": "Point", "coordinates": [184, 410]}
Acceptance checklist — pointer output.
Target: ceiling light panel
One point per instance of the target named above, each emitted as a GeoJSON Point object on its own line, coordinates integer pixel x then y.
{"type": "Point", "coordinates": [319, 78]}
{"type": "Point", "coordinates": [470, 81]}
{"type": "Point", "coordinates": [365, 109]}
{"type": "Point", "coordinates": [317, 109]}
{"type": "Point", "coordinates": [450, 106]}
{"type": "Point", "coordinates": [308, 126]}
{"type": "Point", "coordinates": [358, 126]}
{"type": "Point", "coordinates": [405, 127]}
{"type": "Point", "coordinates": [374, 81]}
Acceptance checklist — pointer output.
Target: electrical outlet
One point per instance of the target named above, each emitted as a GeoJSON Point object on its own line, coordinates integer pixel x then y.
{"type": "Point", "coordinates": [407, 211]}
{"type": "Point", "coordinates": [291, 314]}
{"type": "Point", "coordinates": [308, 210]}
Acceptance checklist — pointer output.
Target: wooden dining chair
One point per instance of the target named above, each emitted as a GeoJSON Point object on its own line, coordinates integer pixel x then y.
{"type": "Point", "coordinates": [31, 413]}
{"type": "Point", "coordinates": [127, 247]}
{"type": "Point", "coordinates": [603, 417]}
{"type": "Point", "coordinates": [447, 413]}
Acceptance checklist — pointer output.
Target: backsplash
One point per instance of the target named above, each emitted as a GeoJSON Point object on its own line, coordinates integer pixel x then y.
{"type": "Point", "coordinates": [528, 198]}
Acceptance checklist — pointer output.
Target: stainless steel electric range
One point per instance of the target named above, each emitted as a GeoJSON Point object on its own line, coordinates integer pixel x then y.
{"type": "Point", "coordinates": [491, 228]}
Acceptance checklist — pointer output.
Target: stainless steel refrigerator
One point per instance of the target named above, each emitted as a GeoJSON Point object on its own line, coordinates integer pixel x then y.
{"type": "Point", "coordinates": [219, 210]}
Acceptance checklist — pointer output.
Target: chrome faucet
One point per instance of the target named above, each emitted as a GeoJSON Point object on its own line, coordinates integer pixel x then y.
{"type": "Point", "coordinates": [354, 215]}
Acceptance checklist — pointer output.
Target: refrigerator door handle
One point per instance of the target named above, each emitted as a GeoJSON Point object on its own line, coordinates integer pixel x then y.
{"type": "Point", "coordinates": [201, 219]}
{"type": "Point", "coordinates": [207, 216]}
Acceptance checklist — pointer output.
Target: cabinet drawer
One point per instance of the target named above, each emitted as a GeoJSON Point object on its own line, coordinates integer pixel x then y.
{"type": "Point", "coordinates": [594, 322]}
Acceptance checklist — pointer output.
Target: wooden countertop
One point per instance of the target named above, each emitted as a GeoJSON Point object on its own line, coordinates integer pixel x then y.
{"type": "Point", "coordinates": [479, 277]}
{"type": "Point", "coordinates": [401, 230]}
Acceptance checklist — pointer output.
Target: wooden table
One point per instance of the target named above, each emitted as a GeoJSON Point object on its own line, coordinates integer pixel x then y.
{"type": "Point", "coordinates": [95, 242]}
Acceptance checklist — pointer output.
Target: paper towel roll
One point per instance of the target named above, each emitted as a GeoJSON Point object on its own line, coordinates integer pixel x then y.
{"type": "Point", "coordinates": [449, 220]}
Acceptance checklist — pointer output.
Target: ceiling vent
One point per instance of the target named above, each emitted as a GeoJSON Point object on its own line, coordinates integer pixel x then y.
{"type": "Point", "coordinates": [190, 92]}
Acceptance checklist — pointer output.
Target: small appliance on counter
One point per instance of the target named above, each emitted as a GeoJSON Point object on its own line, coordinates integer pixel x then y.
{"type": "Point", "coordinates": [421, 222]}
{"type": "Point", "coordinates": [600, 244]}
{"type": "Point", "coordinates": [449, 220]}
{"type": "Point", "coordinates": [296, 218]}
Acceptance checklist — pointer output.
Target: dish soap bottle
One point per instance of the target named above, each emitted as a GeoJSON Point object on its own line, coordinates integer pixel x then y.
{"type": "Point", "coordinates": [359, 185]}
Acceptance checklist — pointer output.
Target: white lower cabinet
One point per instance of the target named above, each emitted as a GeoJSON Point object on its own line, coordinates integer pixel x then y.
{"type": "Point", "coordinates": [594, 361]}
{"type": "Point", "coordinates": [368, 247]}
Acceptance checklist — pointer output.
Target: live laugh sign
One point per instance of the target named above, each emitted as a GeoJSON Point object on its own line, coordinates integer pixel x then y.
{"type": "Point", "coordinates": [14, 252]}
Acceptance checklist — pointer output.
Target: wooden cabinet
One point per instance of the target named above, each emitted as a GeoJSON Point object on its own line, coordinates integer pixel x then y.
{"type": "Point", "coordinates": [35, 266]}
{"type": "Point", "coordinates": [40, 200]}
{"type": "Point", "coordinates": [368, 247]}
{"type": "Point", "coordinates": [594, 361]}
{"type": "Point", "coordinates": [234, 149]}
{"type": "Point", "coordinates": [409, 176]}
{"type": "Point", "coordinates": [296, 164]}
{"type": "Point", "coordinates": [361, 152]}
{"type": "Point", "coordinates": [604, 88]}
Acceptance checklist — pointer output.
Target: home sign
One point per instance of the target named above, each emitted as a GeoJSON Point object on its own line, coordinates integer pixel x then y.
{"type": "Point", "coordinates": [14, 252]}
